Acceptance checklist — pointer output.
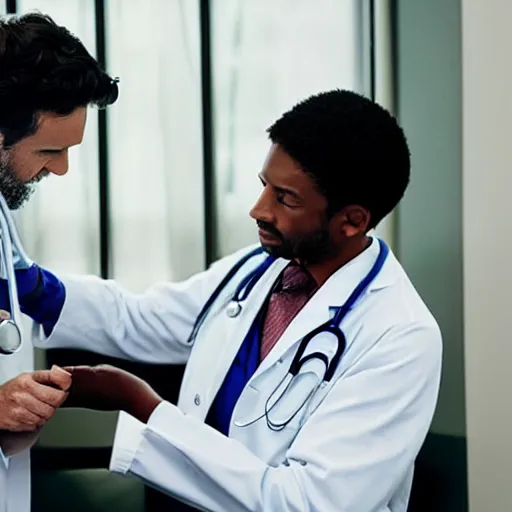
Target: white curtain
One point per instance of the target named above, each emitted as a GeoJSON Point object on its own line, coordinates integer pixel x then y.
{"type": "Point", "coordinates": [155, 140]}
{"type": "Point", "coordinates": [267, 55]}
{"type": "Point", "coordinates": [154, 147]}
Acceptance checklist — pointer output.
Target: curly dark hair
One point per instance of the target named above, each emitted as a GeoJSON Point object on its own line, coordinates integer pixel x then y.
{"type": "Point", "coordinates": [352, 147]}
{"type": "Point", "coordinates": [45, 68]}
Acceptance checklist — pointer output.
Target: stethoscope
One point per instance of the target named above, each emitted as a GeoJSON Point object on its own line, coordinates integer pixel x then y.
{"type": "Point", "coordinates": [332, 326]}
{"type": "Point", "coordinates": [10, 329]}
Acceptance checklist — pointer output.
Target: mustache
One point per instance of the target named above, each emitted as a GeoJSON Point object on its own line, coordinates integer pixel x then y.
{"type": "Point", "coordinates": [39, 177]}
{"type": "Point", "coordinates": [265, 226]}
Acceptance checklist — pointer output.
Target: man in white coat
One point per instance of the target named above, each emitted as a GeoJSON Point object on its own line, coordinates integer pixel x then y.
{"type": "Point", "coordinates": [47, 81]}
{"type": "Point", "coordinates": [312, 364]}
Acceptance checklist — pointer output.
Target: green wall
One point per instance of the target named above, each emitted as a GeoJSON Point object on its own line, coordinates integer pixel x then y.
{"type": "Point", "coordinates": [429, 224]}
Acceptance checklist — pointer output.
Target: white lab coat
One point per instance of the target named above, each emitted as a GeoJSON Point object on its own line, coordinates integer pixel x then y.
{"type": "Point", "coordinates": [15, 471]}
{"type": "Point", "coordinates": [351, 449]}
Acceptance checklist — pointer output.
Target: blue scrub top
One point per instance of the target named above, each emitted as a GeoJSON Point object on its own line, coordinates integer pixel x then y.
{"type": "Point", "coordinates": [242, 369]}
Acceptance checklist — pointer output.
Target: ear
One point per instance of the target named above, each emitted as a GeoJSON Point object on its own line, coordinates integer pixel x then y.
{"type": "Point", "coordinates": [354, 220]}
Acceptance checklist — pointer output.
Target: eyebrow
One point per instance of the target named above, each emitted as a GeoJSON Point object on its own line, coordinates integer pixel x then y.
{"type": "Point", "coordinates": [280, 189]}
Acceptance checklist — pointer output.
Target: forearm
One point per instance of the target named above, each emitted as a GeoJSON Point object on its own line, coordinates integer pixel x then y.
{"type": "Point", "coordinates": [160, 454]}
{"type": "Point", "coordinates": [226, 475]}
{"type": "Point", "coordinates": [12, 443]}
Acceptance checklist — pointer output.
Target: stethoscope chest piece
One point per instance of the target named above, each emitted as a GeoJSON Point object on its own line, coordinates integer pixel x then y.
{"type": "Point", "coordinates": [10, 337]}
{"type": "Point", "coordinates": [233, 309]}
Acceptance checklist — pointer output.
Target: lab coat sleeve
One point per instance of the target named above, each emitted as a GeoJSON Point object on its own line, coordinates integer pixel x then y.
{"type": "Point", "coordinates": [101, 316]}
{"type": "Point", "coordinates": [350, 455]}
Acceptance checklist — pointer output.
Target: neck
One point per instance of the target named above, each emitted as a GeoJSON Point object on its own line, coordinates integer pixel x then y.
{"type": "Point", "coordinates": [323, 270]}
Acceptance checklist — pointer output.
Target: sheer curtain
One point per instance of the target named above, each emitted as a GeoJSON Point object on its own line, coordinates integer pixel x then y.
{"type": "Point", "coordinates": [155, 150]}
{"type": "Point", "coordinates": [267, 55]}
{"type": "Point", "coordinates": [155, 141]}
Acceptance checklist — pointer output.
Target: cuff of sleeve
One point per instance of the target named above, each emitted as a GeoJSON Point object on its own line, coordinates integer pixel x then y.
{"type": "Point", "coordinates": [160, 416]}
{"type": "Point", "coordinates": [128, 436]}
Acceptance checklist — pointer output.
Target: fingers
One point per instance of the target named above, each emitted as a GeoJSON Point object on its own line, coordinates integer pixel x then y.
{"type": "Point", "coordinates": [4, 315]}
{"type": "Point", "coordinates": [28, 401]}
{"type": "Point", "coordinates": [54, 377]}
{"type": "Point", "coordinates": [42, 410]}
{"type": "Point", "coordinates": [60, 378]}
{"type": "Point", "coordinates": [41, 387]}
{"type": "Point", "coordinates": [42, 377]}
{"type": "Point", "coordinates": [80, 369]}
{"type": "Point", "coordinates": [22, 420]}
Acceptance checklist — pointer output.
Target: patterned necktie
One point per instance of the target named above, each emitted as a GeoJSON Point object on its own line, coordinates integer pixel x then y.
{"type": "Point", "coordinates": [297, 287]}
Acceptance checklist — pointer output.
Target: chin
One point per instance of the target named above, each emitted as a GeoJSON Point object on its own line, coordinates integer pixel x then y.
{"type": "Point", "coordinates": [273, 250]}
{"type": "Point", "coordinates": [277, 251]}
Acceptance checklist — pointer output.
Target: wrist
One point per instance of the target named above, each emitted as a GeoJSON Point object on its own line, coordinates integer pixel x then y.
{"type": "Point", "coordinates": [143, 407]}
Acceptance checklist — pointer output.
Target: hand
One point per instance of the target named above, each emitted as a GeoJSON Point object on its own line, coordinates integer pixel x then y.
{"type": "Point", "coordinates": [29, 400]}
{"type": "Point", "coordinates": [107, 388]}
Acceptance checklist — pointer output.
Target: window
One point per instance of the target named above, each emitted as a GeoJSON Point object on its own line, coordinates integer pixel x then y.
{"type": "Point", "coordinates": [155, 141]}
{"type": "Point", "coordinates": [266, 57]}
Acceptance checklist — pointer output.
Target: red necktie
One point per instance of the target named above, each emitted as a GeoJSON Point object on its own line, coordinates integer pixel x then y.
{"type": "Point", "coordinates": [297, 287]}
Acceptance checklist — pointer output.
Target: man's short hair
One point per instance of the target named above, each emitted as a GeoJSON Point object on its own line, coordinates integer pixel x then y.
{"type": "Point", "coordinates": [352, 147]}
{"type": "Point", "coordinates": [45, 68]}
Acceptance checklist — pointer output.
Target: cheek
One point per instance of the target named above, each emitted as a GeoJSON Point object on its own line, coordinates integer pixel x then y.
{"type": "Point", "coordinates": [26, 167]}
{"type": "Point", "coordinates": [293, 223]}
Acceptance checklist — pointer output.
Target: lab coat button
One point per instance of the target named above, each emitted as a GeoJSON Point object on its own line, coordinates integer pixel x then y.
{"type": "Point", "coordinates": [197, 400]}
{"type": "Point", "coordinates": [302, 462]}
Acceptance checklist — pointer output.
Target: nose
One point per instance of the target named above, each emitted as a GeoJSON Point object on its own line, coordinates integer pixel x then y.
{"type": "Point", "coordinates": [262, 209]}
{"type": "Point", "coordinates": [58, 164]}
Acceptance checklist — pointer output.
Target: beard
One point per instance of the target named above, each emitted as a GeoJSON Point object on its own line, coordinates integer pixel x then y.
{"type": "Point", "coordinates": [15, 191]}
{"type": "Point", "coordinates": [310, 248]}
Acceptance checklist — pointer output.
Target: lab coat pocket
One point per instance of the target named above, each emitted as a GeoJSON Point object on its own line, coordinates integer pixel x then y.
{"type": "Point", "coordinates": [250, 426]}
{"type": "Point", "coordinates": [279, 401]}
{"type": "Point", "coordinates": [288, 404]}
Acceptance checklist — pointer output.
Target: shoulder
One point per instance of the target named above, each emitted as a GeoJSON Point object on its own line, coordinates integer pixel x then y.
{"type": "Point", "coordinates": [393, 324]}
{"type": "Point", "coordinates": [402, 321]}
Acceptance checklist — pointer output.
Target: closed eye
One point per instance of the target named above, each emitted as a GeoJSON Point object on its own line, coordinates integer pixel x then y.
{"type": "Point", "coordinates": [284, 196]}
{"type": "Point", "coordinates": [51, 151]}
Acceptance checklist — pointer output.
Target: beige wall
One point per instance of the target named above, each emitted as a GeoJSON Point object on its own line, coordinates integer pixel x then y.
{"type": "Point", "coordinates": [487, 217]}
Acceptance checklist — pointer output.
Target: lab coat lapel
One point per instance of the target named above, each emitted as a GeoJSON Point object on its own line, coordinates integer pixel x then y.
{"type": "Point", "coordinates": [237, 328]}
{"type": "Point", "coordinates": [334, 292]}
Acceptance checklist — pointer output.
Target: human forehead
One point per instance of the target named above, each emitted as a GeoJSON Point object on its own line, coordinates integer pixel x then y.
{"type": "Point", "coordinates": [282, 171]}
